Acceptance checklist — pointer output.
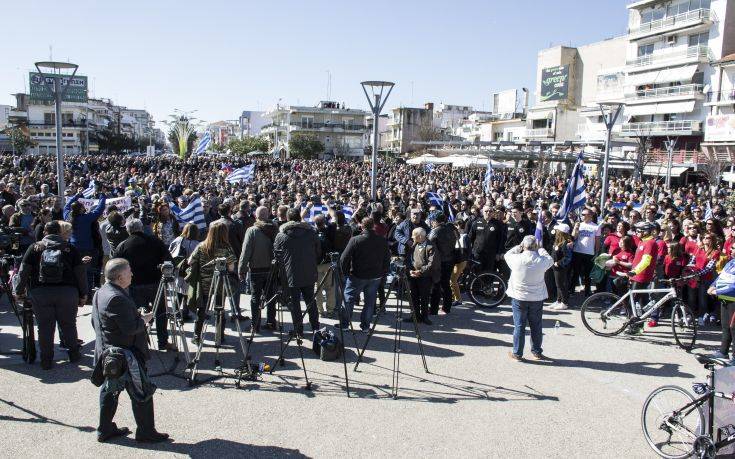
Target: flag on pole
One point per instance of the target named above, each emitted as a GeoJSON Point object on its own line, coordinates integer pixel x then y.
{"type": "Point", "coordinates": [348, 211]}
{"type": "Point", "coordinates": [576, 195]}
{"type": "Point", "coordinates": [429, 167]}
{"type": "Point", "coordinates": [489, 173]}
{"type": "Point", "coordinates": [708, 212]}
{"type": "Point", "coordinates": [246, 174]}
{"type": "Point", "coordinates": [539, 228]}
{"type": "Point", "coordinates": [203, 143]}
{"type": "Point", "coordinates": [90, 190]}
{"type": "Point", "coordinates": [193, 213]}
{"type": "Point", "coordinates": [436, 200]}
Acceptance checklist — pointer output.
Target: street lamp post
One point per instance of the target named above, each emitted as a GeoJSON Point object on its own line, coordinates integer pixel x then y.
{"type": "Point", "coordinates": [55, 69]}
{"type": "Point", "coordinates": [669, 143]}
{"type": "Point", "coordinates": [610, 117]}
{"type": "Point", "coordinates": [377, 102]}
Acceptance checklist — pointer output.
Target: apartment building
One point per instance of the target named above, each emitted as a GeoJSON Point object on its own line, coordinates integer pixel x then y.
{"type": "Point", "coordinates": [4, 116]}
{"type": "Point", "coordinates": [719, 128]}
{"type": "Point", "coordinates": [668, 73]}
{"type": "Point", "coordinates": [223, 131]}
{"type": "Point", "coordinates": [409, 124]}
{"type": "Point", "coordinates": [340, 129]}
{"type": "Point", "coordinates": [251, 122]}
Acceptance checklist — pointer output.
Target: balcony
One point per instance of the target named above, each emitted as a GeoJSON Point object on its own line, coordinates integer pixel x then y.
{"type": "Point", "coordinates": [673, 56]}
{"type": "Point", "coordinates": [672, 23]}
{"type": "Point", "coordinates": [679, 157]}
{"type": "Point", "coordinates": [660, 128]}
{"type": "Point", "coordinates": [595, 132]}
{"type": "Point", "coordinates": [540, 133]}
{"type": "Point", "coordinates": [329, 127]}
{"type": "Point", "coordinates": [64, 124]}
{"type": "Point", "coordinates": [687, 91]}
{"type": "Point", "coordinates": [721, 97]}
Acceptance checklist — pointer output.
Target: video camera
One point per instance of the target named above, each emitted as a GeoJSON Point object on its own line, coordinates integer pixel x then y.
{"type": "Point", "coordinates": [397, 265]}
{"type": "Point", "coordinates": [9, 240]}
{"type": "Point", "coordinates": [167, 269]}
{"type": "Point", "coordinates": [220, 264]}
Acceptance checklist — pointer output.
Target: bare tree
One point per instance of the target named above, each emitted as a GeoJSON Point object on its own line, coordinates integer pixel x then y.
{"type": "Point", "coordinates": [642, 155]}
{"type": "Point", "coordinates": [713, 167]}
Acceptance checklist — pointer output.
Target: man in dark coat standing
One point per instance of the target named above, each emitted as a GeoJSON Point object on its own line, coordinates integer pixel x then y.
{"type": "Point", "coordinates": [117, 323]}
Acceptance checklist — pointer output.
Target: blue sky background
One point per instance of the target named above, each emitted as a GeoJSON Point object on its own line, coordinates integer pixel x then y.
{"type": "Point", "coordinates": [221, 57]}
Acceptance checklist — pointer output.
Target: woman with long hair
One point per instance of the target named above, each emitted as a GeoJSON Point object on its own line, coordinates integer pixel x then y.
{"type": "Point", "coordinates": [215, 245]}
{"type": "Point", "coordinates": [181, 248]}
{"type": "Point", "coordinates": [705, 259]}
{"type": "Point", "coordinates": [164, 225]}
{"type": "Point", "coordinates": [562, 256]}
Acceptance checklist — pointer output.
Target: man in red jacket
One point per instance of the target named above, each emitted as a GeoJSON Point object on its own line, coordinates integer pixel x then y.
{"type": "Point", "coordinates": [644, 267]}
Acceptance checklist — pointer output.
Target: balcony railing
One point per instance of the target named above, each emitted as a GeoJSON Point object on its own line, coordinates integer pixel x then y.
{"type": "Point", "coordinates": [539, 133]}
{"type": "Point", "coordinates": [661, 127]}
{"type": "Point", "coordinates": [689, 18]}
{"type": "Point", "coordinates": [692, 52]}
{"type": "Point", "coordinates": [79, 124]}
{"type": "Point", "coordinates": [656, 155]}
{"type": "Point", "coordinates": [721, 96]}
{"type": "Point", "coordinates": [331, 126]}
{"type": "Point", "coordinates": [670, 91]}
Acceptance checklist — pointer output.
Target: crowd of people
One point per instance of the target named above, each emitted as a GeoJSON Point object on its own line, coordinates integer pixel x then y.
{"type": "Point", "coordinates": [305, 212]}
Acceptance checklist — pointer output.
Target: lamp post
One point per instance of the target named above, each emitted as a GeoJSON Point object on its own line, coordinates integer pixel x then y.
{"type": "Point", "coordinates": [55, 69]}
{"type": "Point", "coordinates": [377, 102]}
{"type": "Point", "coordinates": [669, 143]}
{"type": "Point", "coordinates": [610, 117]}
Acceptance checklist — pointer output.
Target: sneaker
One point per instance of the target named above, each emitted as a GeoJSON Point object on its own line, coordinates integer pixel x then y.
{"type": "Point", "coordinates": [712, 320]}
{"type": "Point", "coordinates": [652, 323]}
{"type": "Point", "coordinates": [517, 358]}
{"type": "Point", "coordinates": [553, 305]}
{"type": "Point", "coordinates": [703, 320]}
{"type": "Point", "coordinates": [560, 307]}
{"type": "Point", "coordinates": [539, 356]}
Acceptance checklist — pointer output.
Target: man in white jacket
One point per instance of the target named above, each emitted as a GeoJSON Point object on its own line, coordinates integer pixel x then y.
{"type": "Point", "coordinates": [527, 289]}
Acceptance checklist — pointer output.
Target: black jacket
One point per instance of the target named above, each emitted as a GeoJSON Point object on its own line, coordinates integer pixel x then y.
{"type": "Point", "coordinates": [117, 322]}
{"type": "Point", "coordinates": [486, 237]}
{"type": "Point", "coordinates": [366, 256]}
{"type": "Point", "coordinates": [144, 253]}
{"type": "Point", "coordinates": [326, 243]}
{"type": "Point", "coordinates": [516, 231]}
{"type": "Point", "coordinates": [444, 238]}
{"type": "Point", "coordinates": [74, 274]}
{"type": "Point", "coordinates": [115, 235]}
{"type": "Point", "coordinates": [301, 251]}
{"type": "Point", "coordinates": [236, 234]}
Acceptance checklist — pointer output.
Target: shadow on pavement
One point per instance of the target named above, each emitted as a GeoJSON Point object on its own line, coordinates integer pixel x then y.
{"type": "Point", "coordinates": [38, 418]}
{"type": "Point", "coordinates": [213, 448]}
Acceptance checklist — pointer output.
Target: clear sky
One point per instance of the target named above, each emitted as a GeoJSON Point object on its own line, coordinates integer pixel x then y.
{"type": "Point", "coordinates": [221, 57]}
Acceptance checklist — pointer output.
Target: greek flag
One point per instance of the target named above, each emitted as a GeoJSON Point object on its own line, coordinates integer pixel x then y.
{"type": "Point", "coordinates": [348, 211]}
{"type": "Point", "coordinates": [575, 196]}
{"type": "Point", "coordinates": [489, 173]}
{"type": "Point", "coordinates": [539, 228]}
{"type": "Point", "coordinates": [90, 190]}
{"type": "Point", "coordinates": [429, 167]}
{"type": "Point", "coordinates": [317, 210]}
{"type": "Point", "coordinates": [708, 212]}
{"type": "Point", "coordinates": [203, 143]}
{"type": "Point", "coordinates": [194, 213]}
{"type": "Point", "coordinates": [245, 174]}
{"type": "Point", "coordinates": [435, 199]}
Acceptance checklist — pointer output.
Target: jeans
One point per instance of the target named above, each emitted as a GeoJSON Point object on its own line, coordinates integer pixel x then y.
{"type": "Point", "coordinates": [52, 305]}
{"type": "Point", "coordinates": [355, 286]}
{"type": "Point", "coordinates": [527, 312]}
{"type": "Point", "coordinates": [442, 290]}
{"type": "Point", "coordinates": [143, 295]}
{"type": "Point", "coordinates": [307, 293]}
{"type": "Point", "coordinates": [727, 310]}
{"type": "Point", "coordinates": [257, 285]}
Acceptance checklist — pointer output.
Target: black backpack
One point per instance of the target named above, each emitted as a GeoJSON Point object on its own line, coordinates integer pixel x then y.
{"type": "Point", "coordinates": [51, 265]}
{"type": "Point", "coordinates": [326, 344]}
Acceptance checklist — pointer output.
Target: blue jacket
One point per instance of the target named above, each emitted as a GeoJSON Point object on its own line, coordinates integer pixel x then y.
{"type": "Point", "coordinates": [725, 283]}
{"type": "Point", "coordinates": [403, 232]}
{"type": "Point", "coordinates": [81, 235]}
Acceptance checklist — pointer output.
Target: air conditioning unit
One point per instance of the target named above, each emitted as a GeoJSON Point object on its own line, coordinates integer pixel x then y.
{"type": "Point", "coordinates": [671, 40]}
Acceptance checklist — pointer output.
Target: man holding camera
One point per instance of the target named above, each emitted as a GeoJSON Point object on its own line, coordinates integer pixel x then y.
{"type": "Point", "coordinates": [55, 277]}
{"type": "Point", "coordinates": [365, 261]}
{"type": "Point", "coordinates": [146, 254]}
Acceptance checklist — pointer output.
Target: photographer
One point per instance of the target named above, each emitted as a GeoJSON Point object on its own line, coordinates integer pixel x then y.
{"type": "Point", "coordinates": [325, 302]}
{"type": "Point", "coordinates": [365, 261]}
{"type": "Point", "coordinates": [146, 253]}
{"type": "Point", "coordinates": [256, 257]}
{"type": "Point", "coordinates": [53, 274]}
{"type": "Point", "coordinates": [298, 243]}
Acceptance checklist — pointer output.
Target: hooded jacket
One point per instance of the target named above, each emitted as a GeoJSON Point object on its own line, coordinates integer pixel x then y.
{"type": "Point", "coordinates": [299, 244]}
{"type": "Point", "coordinates": [115, 235]}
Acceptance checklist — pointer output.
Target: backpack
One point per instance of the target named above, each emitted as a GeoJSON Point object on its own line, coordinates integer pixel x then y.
{"type": "Point", "coordinates": [327, 345]}
{"type": "Point", "coordinates": [51, 265]}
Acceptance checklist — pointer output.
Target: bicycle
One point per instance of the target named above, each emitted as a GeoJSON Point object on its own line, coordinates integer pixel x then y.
{"type": "Point", "coordinates": [681, 420]}
{"type": "Point", "coordinates": [607, 314]}
{"type": "Point", "coordinates": [485, 288]}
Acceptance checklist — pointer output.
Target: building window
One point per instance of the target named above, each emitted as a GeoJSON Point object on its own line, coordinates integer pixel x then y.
{"type": "Point", "coordinates": [699, 39]}
{"type": "Point", "coordinates": [645, 50]}
{"type": "Point", "coordinates": [49, 118]}
{"type": "Point", "coordinates": [652, 15]}
{"type": "Point", "coordinates": [307, 122]}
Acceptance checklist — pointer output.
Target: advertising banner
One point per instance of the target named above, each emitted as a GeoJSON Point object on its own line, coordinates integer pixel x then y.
{"type": "Point", "coordinates": [555, 83]}
{"type": "Point", "coordinates": [720, 128]}
{"type": "Point", "coordinates": [76, 88]}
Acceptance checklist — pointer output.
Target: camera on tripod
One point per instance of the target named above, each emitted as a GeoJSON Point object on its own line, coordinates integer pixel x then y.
{"type": "Point", "coordinates": [334, 256]}
{"type": "Point", "coordinates": [220, 264]}
{"type": "Point", "coordinates": [9, 240]}
{"type": "Point", "coordinates": [167, 269]}
{"type": "Point", "coordinates": [397, 266]}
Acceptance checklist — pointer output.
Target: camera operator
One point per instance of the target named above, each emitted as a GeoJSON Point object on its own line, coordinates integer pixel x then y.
{"type": "Point", "coordinates": [146, 253]}
{"type": "Point", "coordinates": [299, 244]}
{"type": "Point", "coordinates": [365, 261]}
{"type": "Point", "coordinates": [53, 274]}
{"type": "Point", "coordinates": [425, 270]}
{"type": "Point", "coordinates": [256, 257]}
{"type": "Point", "coordinates": [325, 303]}
{"type": "Point", "coordinates": [444, 237]}
{"type": "Point", "coordinates": [118, 324]}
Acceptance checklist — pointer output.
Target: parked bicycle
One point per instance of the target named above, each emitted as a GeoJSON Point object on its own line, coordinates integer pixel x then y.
{"type": "Point", "coordinates": [607, 314]}
{"type": "Point", "coordinates": [674, 422]}
{"type": "Point", "coordinates": [485, 288]}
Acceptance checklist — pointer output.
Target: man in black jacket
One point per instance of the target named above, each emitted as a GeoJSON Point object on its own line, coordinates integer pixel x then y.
{"type": "Point", "coordinates": [54, 298]}
{"type": "Point", "coordinates": [146, 253]}
{"type": "Point", "coordinates": [299, 248]}
{"type": "Point", "coordinates": [117, 323]}
{"type": "Point", "coordinates": [365, 261]}
{"type": "Point", "coordinates": [486, 239]}
{"type": "Point", "coordinates": [518, 227]}
{"type": "Point", "coordinates": [444, 237]}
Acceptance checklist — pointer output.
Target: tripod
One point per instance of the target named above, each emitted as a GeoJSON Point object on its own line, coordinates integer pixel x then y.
{"type": "Point", "coordinates": [220, 288]}
{"type": "Point", "coordinates": [167, 297]}
{"type": "Point", "coordinates": [277, 285]}
{"type": "Point", "coordinates": [24, 313]}
{"type": "Point", "coordinates": [398, 286]}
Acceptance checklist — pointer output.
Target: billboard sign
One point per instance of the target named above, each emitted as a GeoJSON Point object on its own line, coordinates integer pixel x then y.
{"type": "Point", "coordinates": [720, 128]}
{"type": "Point", "coordinates": [76, 88]}
{"type": "Point", "coordinates": [555, 83]}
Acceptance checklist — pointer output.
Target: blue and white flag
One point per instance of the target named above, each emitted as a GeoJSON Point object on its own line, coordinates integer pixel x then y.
{"type": "Point", "coordinates": [489, 173]}
{"type": "Point", "coordinates": [203, 143]}
{"type": "Point", "coordinates": [708, 212]}
{"type": "Point", "coordinates": [348, 211]}
{"type": "Point", "coordinates": [317, 209]}
{"type": "Point", "coordinates": [539, 228]}
{"type": "Point", "coordinates": [245, 174]}
{"type": "Point", "coordinates": [90, 190]}
{"type": "Point", "coordinates": [194, 213]}
{"type": "Point", "coordinates": [575, 196]}
{"type": "Point", "coordinates": [429, 167]}
{"type": "Point", "coordinates": [436, 200]}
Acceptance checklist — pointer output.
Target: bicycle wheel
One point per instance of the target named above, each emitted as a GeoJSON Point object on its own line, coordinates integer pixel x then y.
{"type": "Point", "coordinates": [683, 324]}
{"type": "Point", "coordinates": [487, 290]}
{"type": "Point", "coordinates": [669, 432]}
{"type": "Point", "coordinates": [601, 318]}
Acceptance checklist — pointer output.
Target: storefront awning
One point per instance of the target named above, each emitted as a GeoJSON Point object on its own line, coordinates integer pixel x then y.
{"type": "Point", "coordinates": [683, 74]}
{"type": "Point", "coordinates": [660, 109]}
{"type": "Point", "coordinates": [660, 171]}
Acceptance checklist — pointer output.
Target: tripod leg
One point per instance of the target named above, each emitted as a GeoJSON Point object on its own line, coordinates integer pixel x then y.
{"type": "Point", "coordinates": [156, 305]}
{"type": "Point", "coordinates": [418, 333]}
{"type": "Point", "coordinates": [303, 364]}
{"type": "Point", "coordinates": [283, 350]}
{"type": "Point", "coordinates": [374, 324]}
{"type": "Point", "coordinates": [397, 348]}
{"type": "Point", "coordinates": [229, 294]}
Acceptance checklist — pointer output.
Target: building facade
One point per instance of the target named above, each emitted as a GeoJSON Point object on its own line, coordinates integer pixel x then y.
{"type": "Point", "coordinates": [719, 127]}
{"type": "Point", "coordinates": [251, 122]}
{"type": "Point", "coordinates": [407, 125]}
